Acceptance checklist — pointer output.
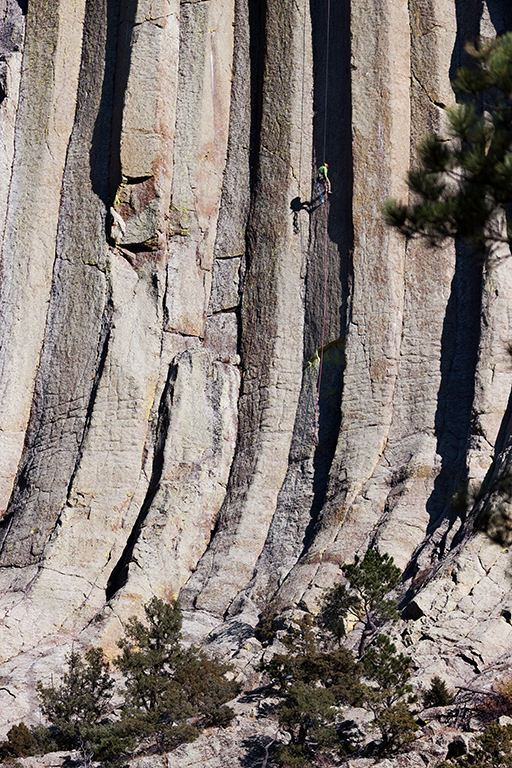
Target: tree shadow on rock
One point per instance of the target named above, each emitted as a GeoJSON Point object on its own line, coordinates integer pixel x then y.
{"type": "Point", "coordinates": [258, 751]}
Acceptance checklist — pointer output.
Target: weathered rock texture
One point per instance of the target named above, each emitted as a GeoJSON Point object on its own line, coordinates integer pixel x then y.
{"type": "Point", "coordinates": [171, 287]}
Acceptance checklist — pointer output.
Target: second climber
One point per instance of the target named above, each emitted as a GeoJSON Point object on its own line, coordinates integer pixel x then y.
{"type": "Point", "coordinates": [323, 177]}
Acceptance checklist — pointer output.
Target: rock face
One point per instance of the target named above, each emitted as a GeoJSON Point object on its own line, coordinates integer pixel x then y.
{"type": "Point", "coordinates": [213, 382]}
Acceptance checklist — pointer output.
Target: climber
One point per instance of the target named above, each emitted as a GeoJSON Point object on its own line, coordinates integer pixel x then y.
{"type": "Point", "coordinates": [322, 176]}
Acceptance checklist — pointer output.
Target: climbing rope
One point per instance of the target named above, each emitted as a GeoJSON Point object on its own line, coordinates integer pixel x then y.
{"type": "Point", "coordinates": [324, 322]}
{"type": "Point", "coordinates": [302, 101]}
{"type": "Point", "coordinates": [324, 317]}
{"type": "Point", "coordinates": [326, 72]}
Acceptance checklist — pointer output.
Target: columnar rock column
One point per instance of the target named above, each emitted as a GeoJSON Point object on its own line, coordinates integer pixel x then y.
{"type": "Point", "coordinates": [272, 316]}
{"type": "Point", "coordinates": [380, 120]}
{"type": "Point", "coordinates": [46, 111]}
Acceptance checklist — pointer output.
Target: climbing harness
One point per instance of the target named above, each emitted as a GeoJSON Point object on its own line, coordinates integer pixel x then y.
{"type": "Point", "coordinates": [320, 192]}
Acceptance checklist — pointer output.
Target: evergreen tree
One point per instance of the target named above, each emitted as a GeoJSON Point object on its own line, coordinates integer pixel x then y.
{"type": "Point", "coordinates": [463, 185]}
{"type": "Point", "coordinates": [438, 694]}
{"type": "Point", "coordinates": [370, 581]}
{"type": "Point", "coordinates": [493, 750]}
{"type": "Point", "coordinates": [20, 743]}
{"type": "Point", "coordinates": [204, 682]}
{"type": "Point", "coordinates": [171, 692]}
{"type": "Point", "coordinates": [79, 706]}
{"type": "Point", "coordinates": [389, 692]}
{"type": "Point", "coordinates": [312, 684]}
{"type": "Point", "coordinates": [389, 670]}
{"type": "Point", "coordinates": [397, 726]}
{"type": "Point", "coordinates": [83, 698]}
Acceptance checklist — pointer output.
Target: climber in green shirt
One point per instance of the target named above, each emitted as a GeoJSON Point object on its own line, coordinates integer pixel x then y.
{"type": "Point", "coordinates": [322, 176]}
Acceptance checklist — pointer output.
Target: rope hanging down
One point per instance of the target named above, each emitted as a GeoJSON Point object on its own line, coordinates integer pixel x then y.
{"type": "Point", "coordinates": [324, 316]}
{"type": "Point", "coordinates": [326, 72]}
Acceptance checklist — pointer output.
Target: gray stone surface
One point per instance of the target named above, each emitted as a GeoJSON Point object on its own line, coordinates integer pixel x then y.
{"type": "Point", "coordinates": [45, 113]}
{"type": "Point", "coordinates": [213, 385]}
{"type": "Point", "coordinates": [271, 332]}
{"type": "Point", "coordinates": [225, 285]}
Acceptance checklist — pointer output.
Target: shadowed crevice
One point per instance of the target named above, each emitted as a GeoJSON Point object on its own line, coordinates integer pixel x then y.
{"type": "Point", "coordinates": [120, 72]}
{"type": "Point", "coordinates": [119, 574]}
{"type": "Point", "coordinates": [79, 313]}
{"type": "Point", "coordinates": [459, 355]}
{"type": "Point", "coordinates": [334, 129]}
{"type": "Point", "coordinates": [461, 329]}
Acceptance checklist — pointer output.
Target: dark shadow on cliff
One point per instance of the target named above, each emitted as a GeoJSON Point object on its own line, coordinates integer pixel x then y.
{"type": "Point", "coordinates": [468, 16]}
{"type": "Point", "coordinates": [119, 574]}
{"type": "Point", "coordinates": [332, 129]}
{"type": "Point", "coordinates": [500, 12]}
{"type": "Point", "coordinates": [256, 17]}
{"type": "Point", "coordinates": [461, 332]}
{"type": "Point", "coordinates": [303, 492]}
{"type": "Point", "coordinates": [104, 154]}
{"type": "Point", "coordinates": [467, 13]}
{"type": "Point", "coordinates": [461, 328]}
{"type": "Point", "coordinates": [330, 251]}
{"type": "Point", "coordinates": [257, 751]}
{"type": "Point", "coordinates": [459, 354]}
{"type": "Point", "coordinates": [327, 428]}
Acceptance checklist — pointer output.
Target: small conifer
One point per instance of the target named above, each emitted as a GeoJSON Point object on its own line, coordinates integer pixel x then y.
{"type": "Point", "coordinates": [20, 743]}
{"type": "Point", "coordinates": [462, 186]}
{"type": "Point", "coordinates": [171, 693]}
{"type": "Point", "coordinates": [370, 581]}
{"type": "Point", "coordinates": [78, 708]}
{"type": "Point", "coordinates": [438, 694]}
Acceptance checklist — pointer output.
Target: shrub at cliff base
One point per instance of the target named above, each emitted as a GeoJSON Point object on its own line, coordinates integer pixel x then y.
{"type": "Point", "coordinates": [493, 707]}
{"type": "Point", "coordinates": [312, 683]}
{"type": "Point", "coordinates": [78, 709]}
{"type": "Point", "coordinates": [171, 694]}
{"type": "Point", "coordinates": [21, 742]}
{"type": "Point", "coordinates": [317, 677]}
{"type": "Point", "coordinates": [438, 694]}
{"type": "Point", "coordinates": [493, 750]}
{"type": "Point", "coordinates": [388, 693]}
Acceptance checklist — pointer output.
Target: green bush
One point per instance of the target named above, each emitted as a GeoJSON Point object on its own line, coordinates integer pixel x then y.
{"type": "Point", "coordinates": [388, 692]}
{"type": "Point", "coordinates": [47, 740]}
{"type": "Point", "coordinates": [397, 726]}
{"type": "Point", "coordinates": [318, 675]}
{"type": "Point", "coordinates": [493, 750]}
{"type": "Point", "coordinates": [389, 670]}
{"type": "Point", "coordinates": [438, 694]}
{"type": "Point", "coordinates": [312, 684]}
{"type": "Point", "coordinates": [78, 708]}
{"type": "Point", "coordinates": [291, 756]}
{"type": "Point", "coordinates": [171, 693]}
{"type": "Point", "coordinates": [20, 743]}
